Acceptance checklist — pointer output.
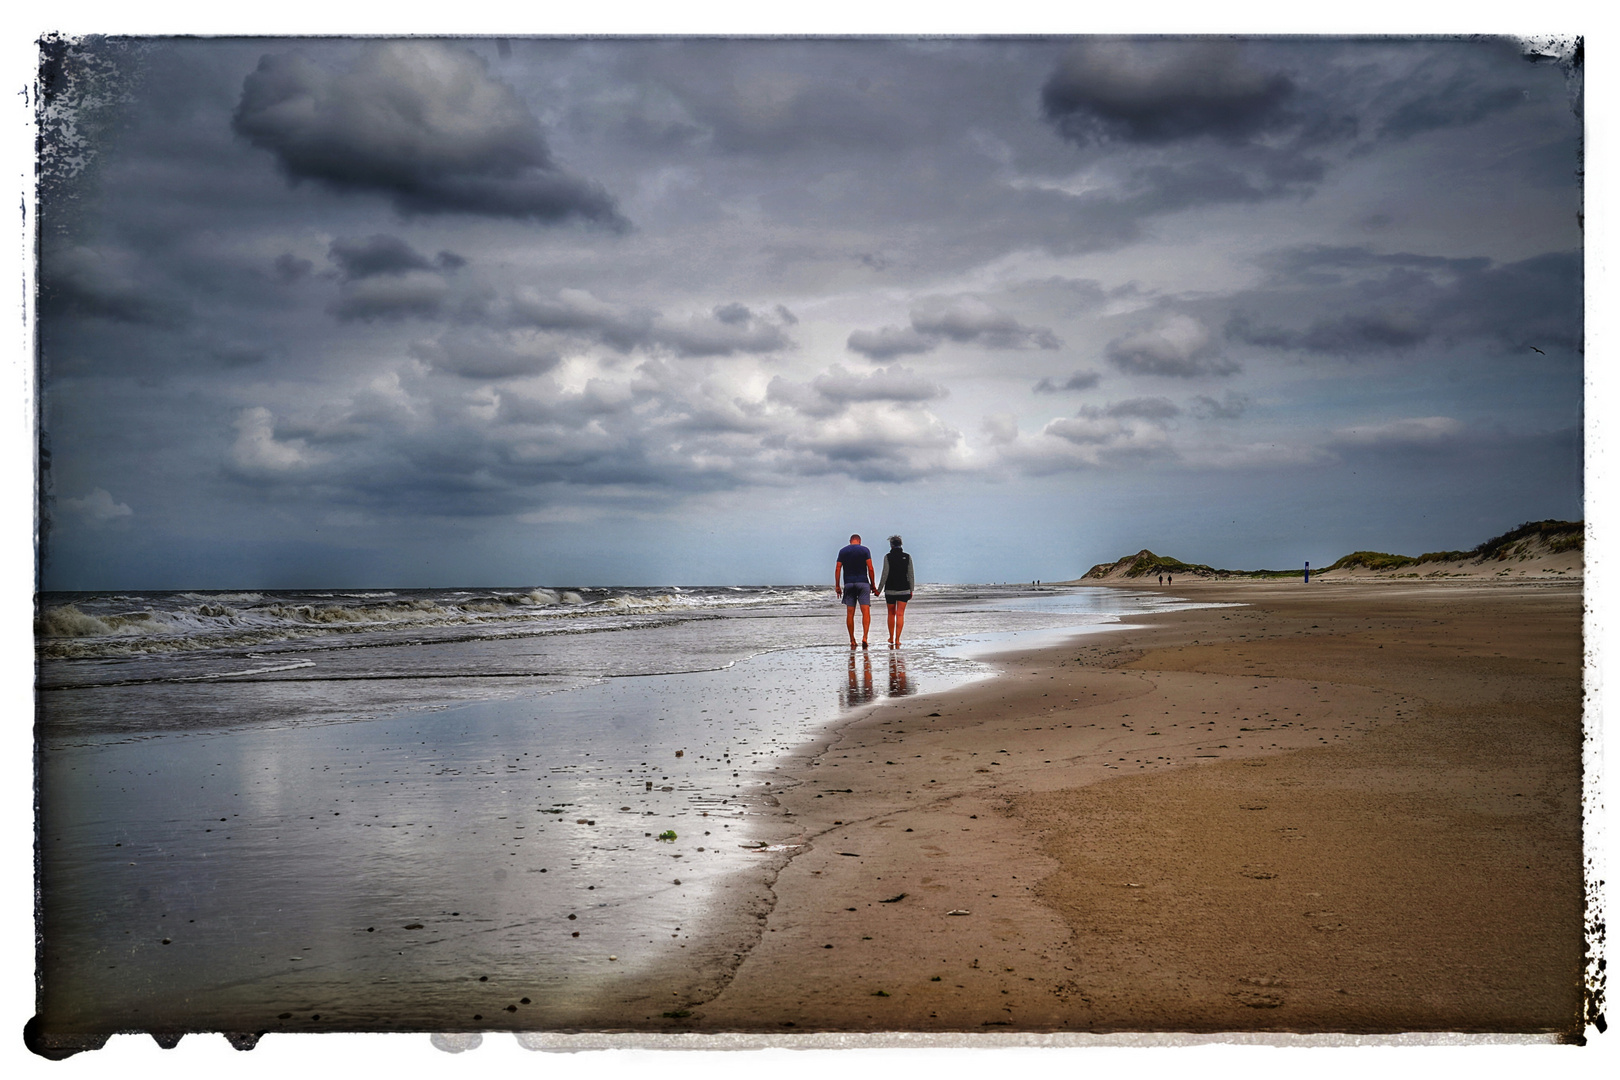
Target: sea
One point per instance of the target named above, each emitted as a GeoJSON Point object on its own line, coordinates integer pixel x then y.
{"type": "Point", "coordinates": [447, 809]}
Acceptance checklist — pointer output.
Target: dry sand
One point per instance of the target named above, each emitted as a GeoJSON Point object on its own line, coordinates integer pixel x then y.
{"type": "Point", "coordinates": [1348, 807]}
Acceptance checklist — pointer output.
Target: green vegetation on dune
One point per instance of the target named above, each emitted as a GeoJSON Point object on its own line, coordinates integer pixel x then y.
{"type": "Point", "coordinates": [1145, 562]}
{"type": "Point", "coordinates": [1372, 560]}
{"type": "Point", "coordinates": [1559, 536]}
{"type": "Point", "coordinates": [1531, 538]}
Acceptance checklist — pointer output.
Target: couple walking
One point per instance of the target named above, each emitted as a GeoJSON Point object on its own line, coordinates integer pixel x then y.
{"type": "Point", "coordinates": [854, 567]}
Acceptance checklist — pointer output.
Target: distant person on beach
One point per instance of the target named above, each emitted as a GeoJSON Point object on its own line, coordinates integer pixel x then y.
{"type": "Point", "coordinates": [1161, 579]}
{"type": "Point", "coordinates": [855, 566]}
{"type": "Point", "coordinates": [899, 579]}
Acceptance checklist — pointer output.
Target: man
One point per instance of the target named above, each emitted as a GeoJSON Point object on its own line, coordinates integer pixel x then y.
{"type": "Point", "coordinates": [855, 566]}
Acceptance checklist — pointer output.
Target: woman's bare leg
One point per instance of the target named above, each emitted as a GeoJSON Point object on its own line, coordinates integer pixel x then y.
{"type": "Point", "coordinates": [897, 615]}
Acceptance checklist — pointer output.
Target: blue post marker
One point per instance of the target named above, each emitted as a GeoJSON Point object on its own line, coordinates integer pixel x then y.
{"type": "Point", "coordinates": [1307, 573]}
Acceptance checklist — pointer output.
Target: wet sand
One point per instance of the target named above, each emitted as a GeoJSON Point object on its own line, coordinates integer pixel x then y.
{"type": "Point", "coordinates": [1347, 807]}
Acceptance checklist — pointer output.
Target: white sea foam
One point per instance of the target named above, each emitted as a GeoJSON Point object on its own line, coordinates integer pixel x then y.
{"type": "Point", "coordinates": [89, 626]}
{"type": "Point", "coordinates": [69, 621]}
{"type": "Point", "coordinates": [292, 666]}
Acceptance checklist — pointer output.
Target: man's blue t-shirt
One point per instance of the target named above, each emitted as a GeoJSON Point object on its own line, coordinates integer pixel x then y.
{"type": "Point", "coordinates": [854, 558]}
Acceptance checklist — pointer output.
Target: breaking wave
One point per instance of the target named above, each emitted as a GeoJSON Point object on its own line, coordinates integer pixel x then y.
{"type": "Point", "coordinates": [92, 625]}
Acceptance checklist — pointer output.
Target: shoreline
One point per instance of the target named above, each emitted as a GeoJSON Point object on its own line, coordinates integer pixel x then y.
{"type": "Point", "coordinates": [1002, 805]}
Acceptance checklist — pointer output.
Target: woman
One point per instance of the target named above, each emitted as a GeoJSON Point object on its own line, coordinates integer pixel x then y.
{"type": "Point", "coordinates": [899, 578]}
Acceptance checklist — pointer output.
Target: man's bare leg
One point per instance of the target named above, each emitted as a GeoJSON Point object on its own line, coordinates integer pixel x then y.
{"type": "Point", "coordinates": [849, 621]}
{"type": "Point", "coordinates": [866, 625]}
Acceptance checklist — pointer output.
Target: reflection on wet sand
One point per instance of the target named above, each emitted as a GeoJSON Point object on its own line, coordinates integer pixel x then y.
{"type": "Point", "coordinates": [899, 682]}
{"type": "Point", "coordinates": [859, 689]}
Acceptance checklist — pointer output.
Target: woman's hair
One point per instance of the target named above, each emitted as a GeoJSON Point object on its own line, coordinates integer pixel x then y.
{"type": "Point", "coordinates": [894, 541]}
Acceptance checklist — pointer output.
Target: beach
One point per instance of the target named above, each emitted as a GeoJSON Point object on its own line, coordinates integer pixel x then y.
{"type": "Point", "coordinates": [445, 809]}
{"type": "Point", "coordinates": [1342, 807]}
{"type": "Point", "coordinates": [1353, 806]}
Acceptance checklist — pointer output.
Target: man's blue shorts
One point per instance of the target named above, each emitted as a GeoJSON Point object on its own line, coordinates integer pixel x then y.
{"type": "Point", "coordinates": [858, 593]}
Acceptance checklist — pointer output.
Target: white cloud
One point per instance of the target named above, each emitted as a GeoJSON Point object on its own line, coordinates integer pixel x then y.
{"type": "Point", "coordinates": [98, 507]}
{"type": "Point", "coordinates": [1418, 429]}
{"type": "Point", "coordinates": [1179, 346]}
{"type": "Point", "coordinates": [257, 449]}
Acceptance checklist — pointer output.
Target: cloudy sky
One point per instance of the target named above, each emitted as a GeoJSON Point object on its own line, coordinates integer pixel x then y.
{"type": "Point", "coordinates": [503, 312]}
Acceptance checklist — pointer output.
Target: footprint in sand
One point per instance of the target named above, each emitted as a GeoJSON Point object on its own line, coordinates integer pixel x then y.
{"type": "Point", "coordinates": [1255, 1000]}
{"type": "Point", "coordinates": [1257, 873]}
{"type": "Point", "coordinates": [1325, 921]}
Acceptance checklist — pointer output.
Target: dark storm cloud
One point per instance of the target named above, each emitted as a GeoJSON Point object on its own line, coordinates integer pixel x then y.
{"type": "Point", "coordinates": [290, 268]}
{"type": "Point", "coordinates": [1080, 380]}
{"type": "Point", "coordinates": [890, 342]}
{"type": "Point", "coordinates": [386, 278]}
{"type": "Point", "coordinates": [966, 320]}
{"type": "Point", "coordinates": [1464, 83]}
{"type": "Point", "coordinates": [1341, 335]}
{"type": "Point", "coordinates": [1154, 408]}
{"type": "Point", "coordinates": [1400, 301]}
{"type": "Point", "coordinates": [568, 411]}
{"type": "Point", "coordinates": [1229, 406]}
{"type": "Point", "coordinates": [1083, 441]}
{"type": "Point", "coordinates": [380, 254]}
{"type": "Point", "coordinates": [716, 336]}
{"type": "Point", "coordinates": [1450, 106]}
{"type": "Point", "coordinates": [1332, 265]}
{"type": "Point", "coordinates": [1162, 91]}
{"type": "Point", "coordinates": [1534, 302]}
{"type": "Point", "coordinates": [1259, 174]}
{"type": "Point", "coordinates": [1178, 346]}
{"type": "Point", "coordinates": [969, 320]}
{"type": "Point", "coordinates": [233, 356]}
{"type": "Point", "coordinates": [414, 294]}
{"type": "Point", "coordinates": [576, 311]}
{"type": "Point", "coordinates": [420, 122]}
{"type": "Point", "coordinates": [104, 283]}
{"type": "Point", "coordinates": [487, 355]}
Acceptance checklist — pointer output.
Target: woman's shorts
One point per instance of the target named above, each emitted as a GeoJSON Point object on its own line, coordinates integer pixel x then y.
{"type": "Point", "coordinates": [897, 597]}
{"type": "Point", "coordinates": [858, 593]}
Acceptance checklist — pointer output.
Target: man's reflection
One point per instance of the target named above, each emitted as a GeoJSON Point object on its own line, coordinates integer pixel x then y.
{"type": "Point", "coordinates": [859, 691]}
{"type": "Point", "coordinates": [899, 682]}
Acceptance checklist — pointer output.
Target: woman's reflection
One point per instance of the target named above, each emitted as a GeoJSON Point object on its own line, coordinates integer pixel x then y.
{"type": "Point", "coordinates": [899, 682]}
{"type": "Point", "coordinates": [859, 691]}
